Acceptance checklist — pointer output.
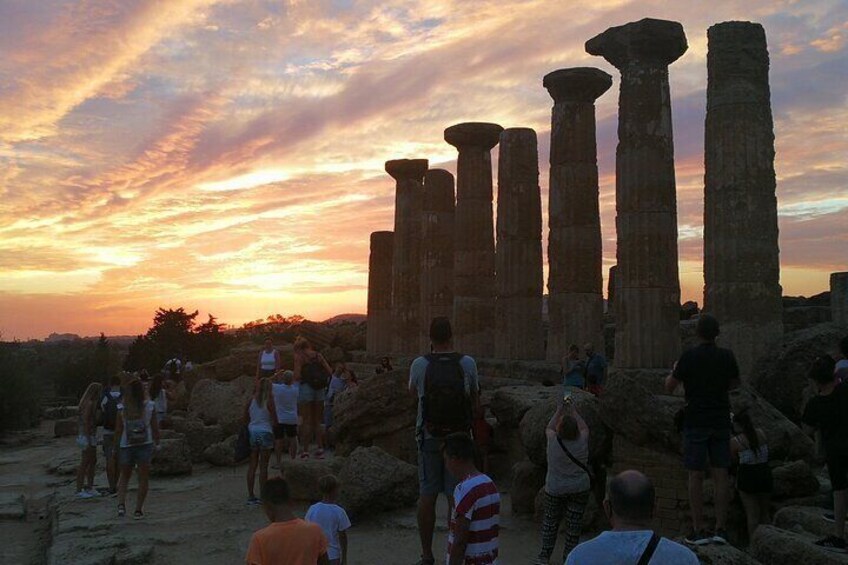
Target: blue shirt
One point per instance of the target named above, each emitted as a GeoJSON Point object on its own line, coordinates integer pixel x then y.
{"type": "Point", "coordinates": [574, 373]}
{"type": "Point", "coordinates": [625, 548]}
{"type": "Point", "coordinates": [595, 367]}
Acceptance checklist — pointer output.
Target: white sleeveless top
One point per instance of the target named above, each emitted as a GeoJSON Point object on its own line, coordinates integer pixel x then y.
{"type": "Point", "coordinates": [268, 361]}
{"type": "Point", "coordinates": [260, 418]}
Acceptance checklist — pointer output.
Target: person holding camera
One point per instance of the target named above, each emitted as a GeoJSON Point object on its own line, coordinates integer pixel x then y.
{"type": "Point", "coordinates": [568, 479]}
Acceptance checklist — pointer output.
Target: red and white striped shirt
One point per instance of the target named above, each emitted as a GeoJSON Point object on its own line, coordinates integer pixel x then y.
{"type": "Point", "coordinates": [478, 500]}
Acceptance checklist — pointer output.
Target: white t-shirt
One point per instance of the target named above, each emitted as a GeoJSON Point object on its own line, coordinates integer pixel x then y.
{"type": "Point", "coordinates": [161, 401]}
{"type": "Point", "coordinates": [626, 548]}
{"type": "Point", "coordinates": [333, 519]}
{"type": "Point", "coordinates": [285, 400]}
{"type": "Point", "coordinates": [564, 476]}
{"type": "Point", "coordinates": [260, 418]}
{"type": "Point", "coordinates": [147, 416]}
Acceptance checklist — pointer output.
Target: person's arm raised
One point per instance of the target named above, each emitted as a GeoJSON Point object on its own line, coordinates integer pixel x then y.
{"type": "Point", "coordinates": [554, 421]}
{"type": "Point", "coordinates": [581, 423]}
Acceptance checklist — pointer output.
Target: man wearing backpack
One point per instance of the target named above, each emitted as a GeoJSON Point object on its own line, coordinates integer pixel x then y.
{"type": "Point", "coordinates": [447, 388]}
{"type": "Point", "coordinates": [109, 409]}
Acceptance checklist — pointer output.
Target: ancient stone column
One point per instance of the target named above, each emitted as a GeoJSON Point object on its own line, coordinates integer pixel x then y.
{"type": "Point", "coordinates": [474, 243]}
{"type": "Point", "coordinates": [436, 251]}
{"type": "Point", "coordinates": [741, 254]}
{"type": "Point", "coordinates": [575, 257]}
{"type": "Point", "coordinates": [519, 280]}
{"type": "Point", "coordinates": [648, 288]}
{"type": "Point", "coordinates": [839, 297]}
{"type": "Point", "coordinates": [406, 264]}
{"type": "Point", "coordinates": [378, 338]}
{"type": "Point", "coordinates": [611, 282]}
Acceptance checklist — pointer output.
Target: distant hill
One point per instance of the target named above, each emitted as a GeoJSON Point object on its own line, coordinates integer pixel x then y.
{"type": "Point", "coordinates": [342, 318]}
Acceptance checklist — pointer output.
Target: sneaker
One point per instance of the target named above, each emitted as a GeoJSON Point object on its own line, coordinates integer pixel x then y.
{"type": "Point", "coordinates": [698, 537]}
{"type": "Point", "coordinates": [426, 561]}
{"type": "Point", "coordinates": [832, 543]}
{"type": "Point", "coordinates": [253, 501]}
{"type": "Point", "coordinates": [829, 517]}
{"type": "Point", "coordinates": [122, 511]}
{"type": "Point", "coordinates": [138, 515]}
{"type": "Point", "coordinates": [84, 494]}
{"type": "Point", "coordinates": [319, 454]}
{"type": "Point", "coordinates": [720, 536]}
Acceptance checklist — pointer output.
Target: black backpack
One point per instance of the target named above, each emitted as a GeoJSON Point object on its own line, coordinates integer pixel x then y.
{"type": "Point", "coordinates": [314, 373]}
{"type": "Point", "coordinates": [109, 411]}
{"type": "Point", "coordinates": [447, 405]}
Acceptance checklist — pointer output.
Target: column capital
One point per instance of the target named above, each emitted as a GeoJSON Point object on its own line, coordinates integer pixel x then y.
{"type": "Point", "coordinates": [473, 134]}
{"type": "Point", "coordinates": [648, 41]}
{"type": "Point", "coordinates": [382, 237]}
{"type": "Point", "coordinates": [403, 169]}
{"type": "Point", "coordinates": [438, 191]}
{"type": "Point", "coordinates": [577, 84]}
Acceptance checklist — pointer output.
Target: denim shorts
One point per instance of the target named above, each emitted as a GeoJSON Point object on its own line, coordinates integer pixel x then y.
{"type": "Point", "coordinates": [261, 440]}
{"type": "Point", "coordinates": [703, 447]}
{"type": "Point", "coordinates": [85, 442]}
{"type": "Point", "coordinates": [309, 394]}
{"type": "Point", "coordinates": [136, 455]}
{"type": "Point", "coordinates": [433, 476]}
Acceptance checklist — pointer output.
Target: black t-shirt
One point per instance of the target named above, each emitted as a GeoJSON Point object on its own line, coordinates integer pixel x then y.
{"type": "Point", "coordinates": [706, 372]}
{"type": "Point", "coordinates": [830, 415]}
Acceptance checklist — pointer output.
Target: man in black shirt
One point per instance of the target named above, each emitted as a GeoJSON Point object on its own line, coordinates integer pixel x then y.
{"type": "Point", "coordinates": [828, 413]}
{"type": "Point", "coordinates": [707, 373]}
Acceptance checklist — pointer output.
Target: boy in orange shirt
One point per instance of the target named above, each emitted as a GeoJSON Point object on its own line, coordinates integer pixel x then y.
{"type": "Point", "coordinates": [287, 539]}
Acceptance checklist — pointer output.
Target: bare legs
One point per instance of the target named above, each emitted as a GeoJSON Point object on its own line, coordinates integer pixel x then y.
{"type": "Point", "coordinates": [721, 481]}
{"type": "Point", "coordinates": [311, 426]}
{"type": "Point", "coordinates": [426, 523]}
{"type": "Point", "coordinates": [85, 471]}
{"type": "Point", "coordinates": [143, 484]}
{"type": "Point", "coordinates": [260, 459]}
{"type": "Point", "coordinates": [839, 513]}
{"type": "Point", "coordinates": [756, 510]}
{"type": "Point", "coordinates": [696, 499]}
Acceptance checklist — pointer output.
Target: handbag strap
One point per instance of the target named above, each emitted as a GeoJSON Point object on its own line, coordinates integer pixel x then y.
{"type": "Point", "coordinates": [574, 459]}
{"type": "Point", "coordinates": [649, 550]}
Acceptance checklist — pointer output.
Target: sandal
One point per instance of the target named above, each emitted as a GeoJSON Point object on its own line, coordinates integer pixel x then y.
{"type": "Point", "coordinates": [122, 511]}
{"type": "Point", "coordinates": [319, 454]}
{"type": "Point", "coordinates": [138, 515]}
{"type": "Point", "coordinates": [304, 455]}
{"type": "Point", "coordinates": [426, 561]}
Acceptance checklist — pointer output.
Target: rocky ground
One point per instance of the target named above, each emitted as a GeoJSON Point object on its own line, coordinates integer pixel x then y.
{"type": "Point", "coordinates": [197, 518]}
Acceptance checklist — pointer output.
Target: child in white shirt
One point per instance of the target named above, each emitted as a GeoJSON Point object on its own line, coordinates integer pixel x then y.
{"type": "Point", "coordinates": [332, 518]}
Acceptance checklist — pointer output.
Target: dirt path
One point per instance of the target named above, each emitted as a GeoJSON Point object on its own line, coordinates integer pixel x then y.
{"type": "Point", "coordinates": [201, 518]}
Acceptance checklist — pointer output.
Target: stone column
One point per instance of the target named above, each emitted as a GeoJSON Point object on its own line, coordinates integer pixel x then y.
{"type": "Point", "coordinates": [575, 257]}
{"type": "Point", "coordinates": [648, 303]}
{"type": "Point", "coordinates": [474, 243]}
{"type": "Point", "coordinates": [519, 280]}
{"type": "Point", "coordinates": [436, 251]}
{"type": "Point", "coordinates": [741, 254]}
{"type": "Point", "coordinates": [378, 336]}
{"type": "Point", "coordinates": [839, 298]}
{"type": "Point", "coordinates": [611, 282]}
{"type": "Point", "coordinates": [406, 265]}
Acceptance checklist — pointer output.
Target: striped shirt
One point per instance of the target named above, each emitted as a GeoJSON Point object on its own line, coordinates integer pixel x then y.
{"type": "Point", "coordinates": [478, 500]}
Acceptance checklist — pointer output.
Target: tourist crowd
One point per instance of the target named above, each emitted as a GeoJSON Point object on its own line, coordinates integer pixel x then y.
{"type": "Point", "coordinates": [291, 410]}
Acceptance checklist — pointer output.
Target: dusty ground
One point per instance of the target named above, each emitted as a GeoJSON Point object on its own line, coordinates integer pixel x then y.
{"type": "Point", "coordinates": [200, 518]}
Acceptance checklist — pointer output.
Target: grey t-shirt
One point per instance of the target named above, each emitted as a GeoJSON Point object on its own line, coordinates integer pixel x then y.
{"type": "Point", "coordinates": [625, 548]}
{"type": "Point", "coordinates": [564, 476]}
{"type": "Point", "coordinates": [418, 370]}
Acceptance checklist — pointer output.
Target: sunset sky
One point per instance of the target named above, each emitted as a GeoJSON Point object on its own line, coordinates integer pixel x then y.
{"type": "Point", "coordinates": [228, 155]}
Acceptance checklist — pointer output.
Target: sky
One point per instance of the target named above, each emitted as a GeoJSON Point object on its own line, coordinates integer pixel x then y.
{"type": "Point", "coordinates": [227, 155]}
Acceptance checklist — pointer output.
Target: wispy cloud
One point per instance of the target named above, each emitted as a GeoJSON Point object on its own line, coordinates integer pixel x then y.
{"type": "Point", "coordinates": [228, 154]}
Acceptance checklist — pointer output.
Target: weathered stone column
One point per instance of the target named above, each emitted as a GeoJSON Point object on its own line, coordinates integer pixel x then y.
{"type": "Point", "coordinates": [575, 256]}
{"type": "Point", "coordinates": [378, 338]}
{"type": "Point", "coordinates": [611, 282]}
{"type": "Point", "coordinates": [648, 303]}
{"type": "Point", "coordinates": [519, 280]}
{"type": "Point", "coordinates": [474, 243]}
{"type": "Point", "coordinates": [436, 251]}
{"type": "Point", "coordinates": [406, 265]}
{"type": "Point", "coordinates": [839, 297]}
{"type": "Point", "coordinates": [741, 254]}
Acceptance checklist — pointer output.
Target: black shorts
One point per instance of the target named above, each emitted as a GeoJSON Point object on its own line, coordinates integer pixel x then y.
{"type": "Point", "coordinates": [285, 430]}
{"type": "Point", "coordinates": [266, 373]}
{"type": "Point", "coordinates": [755, 479]}
{"type": "Point", "coordinates": [837, 468]}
